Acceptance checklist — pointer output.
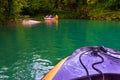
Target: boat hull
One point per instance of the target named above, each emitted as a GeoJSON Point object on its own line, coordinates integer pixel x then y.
{"type": "Point", "coordinates": [52, 72]}
{"type": "Point", "coordinates": [88, 63]}
{"type": "Point", "coordinates": [50, 18]}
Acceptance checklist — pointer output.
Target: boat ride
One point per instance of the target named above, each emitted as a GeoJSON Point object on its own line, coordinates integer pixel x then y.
{"type": "Point", "coordinates": [88, 63]}
{"type": "Point", "coordinates": [51, 17]}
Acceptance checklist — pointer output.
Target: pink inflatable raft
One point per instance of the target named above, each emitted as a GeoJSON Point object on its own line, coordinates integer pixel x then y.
{"type": "Point", "coordinates": [30, 22]}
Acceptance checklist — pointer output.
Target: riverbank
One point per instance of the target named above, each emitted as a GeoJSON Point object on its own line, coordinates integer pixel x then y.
{"type": "Point", "coordinates": [105, 15]}
{"type": "Point", "coordinates": [95, 14]}
{"type": "Point", "coordinates": [87, 14]}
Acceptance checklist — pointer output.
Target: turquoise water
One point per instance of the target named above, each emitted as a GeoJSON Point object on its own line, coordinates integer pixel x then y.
{"type": "Point", "coordinates": [29, 52]}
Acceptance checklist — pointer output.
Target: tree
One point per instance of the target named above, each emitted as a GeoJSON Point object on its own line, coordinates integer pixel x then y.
{"type": "Point", "coordinates": [113, 4]}
{"type": "Point", "coordinates": [10, 9]}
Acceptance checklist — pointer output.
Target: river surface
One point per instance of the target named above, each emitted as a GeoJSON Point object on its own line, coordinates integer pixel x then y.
{"type": "Point", "coordinates": [29, 52]}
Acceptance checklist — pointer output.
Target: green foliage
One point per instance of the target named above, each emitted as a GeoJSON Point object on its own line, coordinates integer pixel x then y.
{"type": "Point", "coordinates": [113, 4]}
{"type": "Point", "coordinates": [17, 6]}
{"type": "Point", "coordinates": [10, 9]}
{"type": "Point", "coordinates": [91, 2]}
{"type": "Point", "coordinates": [13, 9]}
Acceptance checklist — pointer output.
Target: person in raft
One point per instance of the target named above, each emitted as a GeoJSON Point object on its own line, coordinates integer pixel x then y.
{"type": "Point", "coordinates": [56, 16]}
{"type": "Point", "coordinates": [51, 16]}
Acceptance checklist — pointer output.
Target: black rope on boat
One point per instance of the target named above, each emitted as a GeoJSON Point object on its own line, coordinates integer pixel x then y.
{"type": "Point", "coordinates": [112, 53]}
{"type": "Point", "coordinates": [93, 66]}
{"type": "Point", "coordinates": [95, 53]}
{"type": "Point", "coordinates": [88, 76]}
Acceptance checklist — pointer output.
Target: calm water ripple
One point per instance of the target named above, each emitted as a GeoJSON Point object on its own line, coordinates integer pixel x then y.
{"type": "Point", "coordinates": [29, 52]}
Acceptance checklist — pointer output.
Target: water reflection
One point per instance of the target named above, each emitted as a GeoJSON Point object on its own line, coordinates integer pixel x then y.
{"type": "Point", "coordinates": [3, 74]}
{"type": "Point", "coordinates": [103, 33]}
{"type": "Point", "coordinates": [40, 66]}
{"type": "Point", "coordinates": [50, 22]}
{"type": "Point", "coordinates": [30, 52]}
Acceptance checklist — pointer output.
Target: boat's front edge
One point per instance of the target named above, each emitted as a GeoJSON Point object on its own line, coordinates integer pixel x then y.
{"type": "Point", "coordinates": [50, 75]}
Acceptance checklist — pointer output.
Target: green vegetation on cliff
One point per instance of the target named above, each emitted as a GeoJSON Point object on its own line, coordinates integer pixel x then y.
{"type": "Point", "coordinates": [11, 10]}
